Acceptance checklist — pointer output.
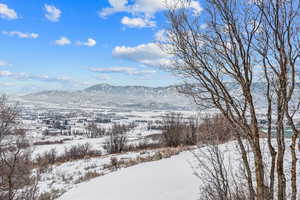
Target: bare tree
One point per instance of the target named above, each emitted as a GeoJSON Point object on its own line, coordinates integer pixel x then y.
{"type": "Point", "coordinates": [215, 129]}
{"type": "Point", "coordinates": [279, 52]}
{"type": "Point", "coordinates": [117, 141]}
{"type": "Point", "coordinates": [177, 130]}
{"type": "Point", "coordinates": [173, 129]}
{"type": "Point", "coordinates": [219, 181]}
{"type": "Point", "coordinates": [8, 116]}
{"type": "Point", "coordinates": [223, 54]}
{"type": "Point", "coordinates": [93, 131]}
{"type": "Point", "coordinates": [16, 177]}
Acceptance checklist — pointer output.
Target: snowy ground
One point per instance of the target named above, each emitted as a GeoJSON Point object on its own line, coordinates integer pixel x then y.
{"type": "Point", "coordinates": [169, 179]}
{"type": "Point", "coordinates": [135, 136]}
{"type": "Point", "coordinates": [63, 177]}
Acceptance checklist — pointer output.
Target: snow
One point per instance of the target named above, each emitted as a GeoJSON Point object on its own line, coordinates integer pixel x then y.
{"type": "Point", "coordinates": [168, 179]}
{"type": "Point", "coordinates": [64, 176]}
{"type": "Point", "coordinates": [135, 136]}
{"type": "Point", "coordinates": [96, 144]}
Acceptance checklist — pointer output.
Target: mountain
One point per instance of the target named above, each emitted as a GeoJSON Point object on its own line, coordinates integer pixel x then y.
{"type": "Point", "coordinates": [131, 90]}
{"type": "Point", "coordinates": [105, 95]}
{"type": "Point", "coordinates": [137, 97]}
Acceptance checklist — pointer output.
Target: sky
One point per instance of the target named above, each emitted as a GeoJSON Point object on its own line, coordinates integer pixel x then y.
{"type": "Point", "coordinates": [74, 44]}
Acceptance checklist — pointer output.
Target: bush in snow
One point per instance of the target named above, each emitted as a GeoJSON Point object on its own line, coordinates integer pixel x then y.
{"type": "Point", "coordinates": [117, 141]}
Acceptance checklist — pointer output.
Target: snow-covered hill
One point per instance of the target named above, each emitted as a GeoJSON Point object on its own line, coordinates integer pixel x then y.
{"type": "Point", "coordinates": [137, 97]}
{"type": "Point", "coordinates": [117, 96]}
{"type": "Point", "coordinates": [173, 178]}
{"type": "Point", "coordinates": [167, 179]}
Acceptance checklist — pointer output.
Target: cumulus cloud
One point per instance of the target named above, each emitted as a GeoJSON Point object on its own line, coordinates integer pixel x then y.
{"type": "Point", "coordinates": [62, 41]}
{"type": "Point", "coordinates": [137, 22]}
{"type": "Point", "coordinates": [146, 7]}
{"type": "Point", "coordinates": [90, 43]}
{"type": "Point", "coordinates": [52, 13]}
{"type": "Point", "coordinates": [123, 70]}
{"type": "Point", "coordinates": [21, 34]}
{"type": "Point", "coordinates": [148, 54]}
{"type": "Point", "coordinates": [116, 6]}
{"type": "Point", "coordinates": [7, 13]}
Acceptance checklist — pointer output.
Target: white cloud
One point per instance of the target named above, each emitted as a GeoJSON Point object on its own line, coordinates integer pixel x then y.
{"type": "Point", "coordinates": [46, 78]}
{"type": "Point", "coordinates": [116, 6]}
{"type": "Point", "coordinates": [203, 26]}
{"type": "Point", "coordinates": [42, 78]}
{"type": "Point", "coordinates": [63, 41]}
{"type": "Point", "coordinates": [21, 34]}
{"type": "Point", "coordinates": [7, 13]}
{"type": "Point", "coordinates": [123, 70]}
{"type": "Point", "coordinates": [197, 9]}
{"type": "Point", "coordinates": [5, 73]}
{"type": "Point", "coordinates": [149, 54]}
{"type": "Point", "coordinates": [113, 70]}
{"type": "Point", "coordinates": [7, 84]}
{"type": "Point", "coordinates": [3, 63]}
{"type": "Point", "coordinates": [161, 35]}
{"type": "Point", "coordinates": [146, 7]}
{"type": "Point", "coordinates": [103, 77]}
{"type": "Point", "coordinates": [90, 43]}
{"type": "Point", "coordinates": [137, 22]}
{"type": "Point", "coordinates": [52, 13]}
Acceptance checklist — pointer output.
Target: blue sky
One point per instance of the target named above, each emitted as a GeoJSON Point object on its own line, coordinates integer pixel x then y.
{"type": "Point", "coordinates": [67, 44]}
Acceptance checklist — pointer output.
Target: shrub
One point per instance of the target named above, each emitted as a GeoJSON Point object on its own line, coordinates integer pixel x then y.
{"type": "Point", "coordinates": [117, 141]}
{"type": "Point", "coordinates": [179, 131]}
{"type": "Point", "coordinates": [79, 151]}
{"type": "Point", "coordinates": [215, 129]}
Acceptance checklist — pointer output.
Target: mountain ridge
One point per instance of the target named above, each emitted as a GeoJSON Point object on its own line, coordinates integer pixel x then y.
{"type": "Point", "coordinates": [116, 96]}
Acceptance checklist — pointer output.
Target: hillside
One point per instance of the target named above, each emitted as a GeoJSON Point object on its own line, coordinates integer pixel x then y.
{"type": "Point", "coordinates": [105, 95]}
{"type": "Point", "coordinates": [178, 177]}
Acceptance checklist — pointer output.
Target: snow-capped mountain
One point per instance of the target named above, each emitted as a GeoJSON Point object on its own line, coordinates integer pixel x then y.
{"type": "Point", "coordinates": [116, 96]}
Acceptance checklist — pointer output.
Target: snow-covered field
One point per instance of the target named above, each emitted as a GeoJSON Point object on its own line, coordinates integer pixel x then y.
{"type": "Point", "coordinates": [135, 136]}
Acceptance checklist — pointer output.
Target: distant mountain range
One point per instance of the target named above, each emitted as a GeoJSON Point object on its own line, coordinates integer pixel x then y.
{"type": "Point", "coordinates": [136, 97]}
{"type": "Point", "coordinates": [105, 95]}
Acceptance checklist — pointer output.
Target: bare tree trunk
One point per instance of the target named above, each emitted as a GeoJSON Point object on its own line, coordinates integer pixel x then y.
{"type": "Point", "coordinates": [281, 195]}
{"type": "Point", "coordinates": [259, 171]}
{"type": "Point", "coordinates": [247, 168]}
{"type": "Point", "coordinates": [294, 168]}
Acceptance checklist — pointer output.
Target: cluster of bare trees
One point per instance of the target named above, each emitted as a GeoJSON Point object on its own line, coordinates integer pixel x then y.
{"type": "Point", "coordinates": [45, 160]}
{"type": "Point", "coordinates": [176, 130]}
{"type": "Point", "coordinates": [215, 129]}
{"type": "Point", "coordinates": [194, 130]}
{"type": "Point", "coordinates": [93, 131]}
{"type": "Point", "coordinates": [117, 141]}
{"type": "Point", "coordinates": [222, 54]}
{"type": "Point", "coordinates": [16, 179]}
